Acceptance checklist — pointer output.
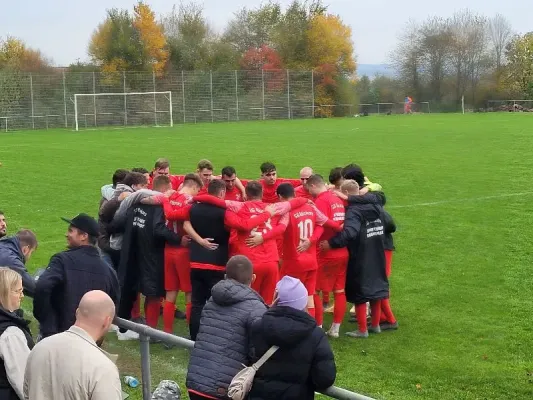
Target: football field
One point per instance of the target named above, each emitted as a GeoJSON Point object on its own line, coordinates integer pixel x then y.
{"type": "Point", "coordinates": [458, 186]}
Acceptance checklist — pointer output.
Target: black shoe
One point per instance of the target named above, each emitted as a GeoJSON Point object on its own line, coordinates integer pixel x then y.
{"type": "Point", "coordinates": [140, 320]}
{"type": "Point", "coordinates": [179, 314]}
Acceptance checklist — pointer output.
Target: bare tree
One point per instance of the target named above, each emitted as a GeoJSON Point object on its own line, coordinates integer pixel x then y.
{"type": "Point", "coordinates": [500, 33]}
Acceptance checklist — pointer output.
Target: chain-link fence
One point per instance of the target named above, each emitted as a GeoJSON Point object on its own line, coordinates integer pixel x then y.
{"type": "Point", "coordinates": [36, 101]}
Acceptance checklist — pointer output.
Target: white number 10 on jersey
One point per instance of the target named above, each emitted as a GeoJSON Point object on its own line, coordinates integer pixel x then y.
{"type": "Point", "coordinates": [306, 229]}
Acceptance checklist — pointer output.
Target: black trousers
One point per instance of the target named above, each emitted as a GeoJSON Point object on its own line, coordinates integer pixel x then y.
{"type": "Point", "coordinates": [202, 281]}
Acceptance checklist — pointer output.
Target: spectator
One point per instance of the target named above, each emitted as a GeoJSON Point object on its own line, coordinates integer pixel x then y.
{"type": "Point", "coordinates": [3, 225]}
{"type": "Point", "coordinates": [70, 365]}
{"type": "Point", "coordinates": [15, 336]}
{"type": "Point", "coordinates": [222, 345]}
{"type": "Point", "coordinates": [15, 252]}
{"type": "Point", "coordinates": [143, 171]}
{"type": "Point", "coordinates": [304, 362]}
{"type": "Point", "coordinates": [71, 274]}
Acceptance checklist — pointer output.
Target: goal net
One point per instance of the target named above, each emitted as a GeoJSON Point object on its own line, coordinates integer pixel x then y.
{"type": "Point", "coordinates": [122, 109]}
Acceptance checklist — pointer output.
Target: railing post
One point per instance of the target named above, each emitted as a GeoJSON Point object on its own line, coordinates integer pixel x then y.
{"type": "Point", "coordinates": [145, 366]}
{"type": "Point", "coordinates": [288, 95]}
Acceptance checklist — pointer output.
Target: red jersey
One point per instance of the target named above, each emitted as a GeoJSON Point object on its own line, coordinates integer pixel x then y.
{"type": "Point", "coordinates": [269, 191]}
{"type": "Point", "coordinates": [302, 224]}
{"type": "Point", "coordinates": [178, 201]}
{"type": "Point", "coordinates": [268, 250]}
{"type": "Point", "coordinates": [300, 191]}
{"type": "Point", "coordinates": [175, 180]}
{"type": "Point", "coordinates": [333, 208]}
{"type": "Point", "coordinates": [233, 194]}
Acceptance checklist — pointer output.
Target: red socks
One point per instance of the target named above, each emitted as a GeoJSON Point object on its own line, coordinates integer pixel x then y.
{"type": "Point", "coordinates": [319, 310]}
{"type": "Point", "coordinates": [340, 307]}
{"type": "Point", "coordinates": [136, 309]}
{"type": "Point", "coordinates": [360, 313]}
{"type": "Point", "coordinates": [375, 309]}
{"type": "Point", "coordinates": [152, 306]}
{"type": "Point", "coordinates": [311, 311]}
{"type": "Point", "coordinates": [168, 316]}
{"type": "Point", "coordinates": [386, 311]}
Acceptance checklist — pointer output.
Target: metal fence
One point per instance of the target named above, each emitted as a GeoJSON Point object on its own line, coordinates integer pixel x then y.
{"type": "Point", "coordinates": [146, 333]}
{"type": "Point", "coordinates": [46, 100]}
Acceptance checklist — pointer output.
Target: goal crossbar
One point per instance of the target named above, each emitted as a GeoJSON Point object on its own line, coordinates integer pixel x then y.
{"type": "Point", "coordinates": [168, 95]}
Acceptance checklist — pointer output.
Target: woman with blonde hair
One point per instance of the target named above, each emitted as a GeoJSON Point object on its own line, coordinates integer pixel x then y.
{"type": "Point", "coordinates": [15, 336]}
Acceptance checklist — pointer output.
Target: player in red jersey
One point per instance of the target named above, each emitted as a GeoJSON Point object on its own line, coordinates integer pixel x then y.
{"type": "Point", "coordinates": [270, 182]}
{"type": "Point", "coordinates": [229, 176]}
{"type": "Point", "coordinates": [301, 191]}
{"type": "Point", "coordinates": [331, 263]}
{"type": "Point", "coordinates": [162, 167]}
{"type": "Point", "coordinates": [177, 264]}
{"type": "Point", "coordinates": [304, 228]}
{"type": "Point", "coordinates": [263, 252]}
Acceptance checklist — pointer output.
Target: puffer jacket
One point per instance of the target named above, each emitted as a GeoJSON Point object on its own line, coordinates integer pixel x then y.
{"type": "Point", "coordinates": [11, 256]}
{"type": "Point", "coordinates": [223, 344]}
{"type": "Point", "coordinates": [304, 362]}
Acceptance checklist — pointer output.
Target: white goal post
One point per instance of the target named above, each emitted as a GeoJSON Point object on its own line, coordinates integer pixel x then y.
{"type": "Point", "coordinates": [123, 109]}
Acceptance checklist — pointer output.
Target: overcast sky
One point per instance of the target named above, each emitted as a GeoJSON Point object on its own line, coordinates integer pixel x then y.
{"type": "Point", "coordinates": [61, 28]}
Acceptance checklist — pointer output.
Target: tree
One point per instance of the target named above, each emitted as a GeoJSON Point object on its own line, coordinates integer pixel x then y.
{"type": "Point", "coordinates": [151, 36]}
{"type": "Point", "coordinates": [520, 63]}
{"type": "Point", "coordinates": [500, 33]}
{"type": "Point", "coordinates": [262, 58]}
{"type": "Point", "coordinates": [16, 56]}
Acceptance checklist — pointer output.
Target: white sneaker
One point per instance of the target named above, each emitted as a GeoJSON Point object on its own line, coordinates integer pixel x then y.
{"type": "Point", "coordinates": [113, 328]}
{"type": "Point", "coordinates": [333, 333]}
{"type": "Point", "coordinates": [128, 335]}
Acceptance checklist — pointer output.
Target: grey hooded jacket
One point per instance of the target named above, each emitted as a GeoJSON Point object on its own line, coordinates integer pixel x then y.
{"type": "Point", "coordinates": [11, 256]}
{"type": "Point", "coordinates": [223, 345]}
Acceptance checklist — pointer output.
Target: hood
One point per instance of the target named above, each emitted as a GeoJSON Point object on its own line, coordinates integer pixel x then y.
{"type": "Point", "coordinates": [285, 326]}
{"type": "Point", "coordinates": [16, 317]}
{"type": "Point", "coordinates": [12, 245]}
{"type": "Point", "coordinates": [228, 292]}
{"type": "Point", "coordinates": [369, 198]}
{"type": "Point", "coordinates": [121, 188]}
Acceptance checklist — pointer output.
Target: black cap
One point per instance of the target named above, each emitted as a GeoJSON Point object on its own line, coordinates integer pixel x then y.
{"type": "Point", "coordinates": [84, 223]}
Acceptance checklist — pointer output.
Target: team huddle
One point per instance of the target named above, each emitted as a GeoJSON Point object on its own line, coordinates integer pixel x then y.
{"type": "Point", "coordinates": [168, 233]}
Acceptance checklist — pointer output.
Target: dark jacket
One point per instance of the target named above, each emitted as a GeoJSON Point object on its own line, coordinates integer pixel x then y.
{"type": "Point", "coordinates": [223, 342]}
{"type": "Point", "coordinates": [105, 218]}
{"type": "Point", "coordinates": [208, 221]}
{"type": "Point", "coordinates": [143, 254]}
{"type": "Point", "coordinates": [362, 234]}
{"type": "Point", "coordinates": [304, 362]}
{"type": "Point", "coordinates": [390, 228]}
{"type": "Point", "coordinates": [11, 256]}
{"type": "Point", "coordinates": [8, 319]}
{"type": "Point", "coordinates": [70, 274]}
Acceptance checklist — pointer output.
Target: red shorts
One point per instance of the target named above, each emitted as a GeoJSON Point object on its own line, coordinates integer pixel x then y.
{"type": "Point", "coordinates": [332, 274]}
{"type": "Point", "coordinates": [388, 262]}
{"type": "Point", "coordinates": [308, 278]}
{"type": "Point", "coordinates": [177, 270]}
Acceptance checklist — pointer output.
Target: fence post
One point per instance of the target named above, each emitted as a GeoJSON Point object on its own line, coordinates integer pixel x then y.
{"type": "Point", "coordinates": [31, 96]}
{"type": "Point", "coordinates": [211, 90]}
{"type": "Point", "coordinates": [288, 94]}
{"type": "Point", "coordinates": [183, 93]}
{"type": "Point", "coordinates": [145, 366]}
{"type": "Point", "coordinates": [263, 91]}
{"type": "Point", "coordinates": [313, 91]}
{"type": "Point", "coordinates": [125, 100]}
{"type": "Point", "coordinates": [237, 92]}
{"type": "Point", "coordinates": [65, 100]}
{"type": "Point", "coordinates": [155, 101]}
{"type": "Point", "coordinates": [94, 97]}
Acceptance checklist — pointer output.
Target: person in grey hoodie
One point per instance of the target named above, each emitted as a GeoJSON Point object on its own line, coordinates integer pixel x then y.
{"type": "Point", "coordinates": [15, 252]}
{"type": "Point", "coordinates": [223, 344]}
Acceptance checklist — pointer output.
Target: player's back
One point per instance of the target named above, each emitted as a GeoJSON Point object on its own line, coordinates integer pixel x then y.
{"type": "Point", "coordinates": [178, 201]}
{"type": "Point", "coordinates": [333, 207]}
{"type": "Point", "coordinates": [302, 221]}
{"type": "Point", "coordinates": [267, 251]}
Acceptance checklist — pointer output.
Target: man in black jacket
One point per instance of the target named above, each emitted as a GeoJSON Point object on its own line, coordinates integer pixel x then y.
{"type": "Point", "coordinates": [208, 225]}
{"type": "Point", "coordinates": [142, 256]}
{"type": "Point", "coordinates": [366, 280]}
{"type": "Point", "coordinates": [223, 344]}
{"type": "Point", "coordinates": [15, 252]}
{"type": "Point", "coordinates": [304, 362]}
{"type": "Point", "coordinates": [71, 274]}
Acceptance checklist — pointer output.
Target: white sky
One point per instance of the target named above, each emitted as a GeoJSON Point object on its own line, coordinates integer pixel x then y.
{"type": "Point", "coordinates": [61, 28]}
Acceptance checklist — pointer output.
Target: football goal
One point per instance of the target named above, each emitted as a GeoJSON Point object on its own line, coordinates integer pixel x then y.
{"type": "Point", "coordinates": [122, 109]}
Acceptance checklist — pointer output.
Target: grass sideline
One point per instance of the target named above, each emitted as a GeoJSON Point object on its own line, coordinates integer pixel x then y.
{"type": "Point", "coordinates": [458, 187]}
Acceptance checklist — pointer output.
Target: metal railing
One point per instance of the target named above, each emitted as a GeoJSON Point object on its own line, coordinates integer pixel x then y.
{"type": "Point", "coordinates": [145, 333]}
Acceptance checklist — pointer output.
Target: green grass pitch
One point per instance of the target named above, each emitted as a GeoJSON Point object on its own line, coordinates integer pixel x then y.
{"type": "Point", "coordinates": [459, 188]}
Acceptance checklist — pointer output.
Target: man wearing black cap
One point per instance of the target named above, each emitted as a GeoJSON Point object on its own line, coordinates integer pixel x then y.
{"type": "Point", "coordinates": [71, 274]}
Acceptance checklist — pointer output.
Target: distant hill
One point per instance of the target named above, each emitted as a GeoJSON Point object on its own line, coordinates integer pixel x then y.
{"type": "Point", "coordinates": [372, 70]}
